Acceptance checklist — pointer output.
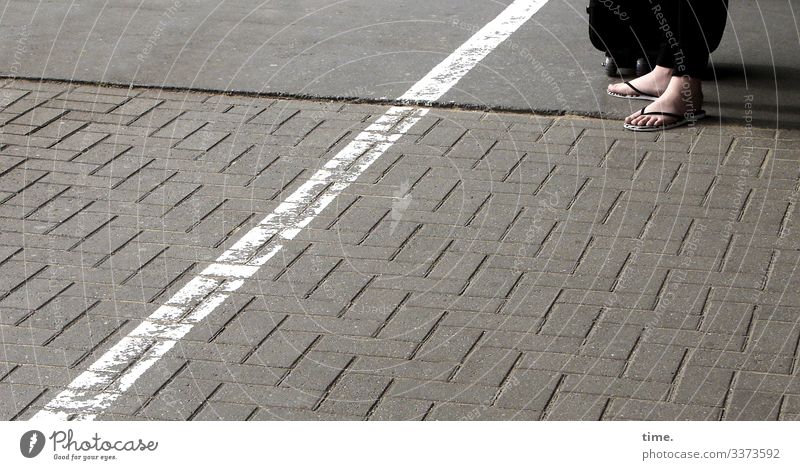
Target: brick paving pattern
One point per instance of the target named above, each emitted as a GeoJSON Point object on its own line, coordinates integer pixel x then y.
{"type": "Point", "coordinates": [488, 266]}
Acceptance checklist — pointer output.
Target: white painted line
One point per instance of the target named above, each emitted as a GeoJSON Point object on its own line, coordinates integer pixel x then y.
{"type": "Point", "coordinates": [118, 369]}
{"type": "Point", "coordinates": [445, 75]}
{"type": "Point", "coordinates": [230, 270]}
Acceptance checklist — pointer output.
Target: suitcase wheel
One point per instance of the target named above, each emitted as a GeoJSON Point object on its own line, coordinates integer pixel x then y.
{"type": "Point", "coordinates": [642, 66]}
{"type": "Point", "coordinates": [610, 66]}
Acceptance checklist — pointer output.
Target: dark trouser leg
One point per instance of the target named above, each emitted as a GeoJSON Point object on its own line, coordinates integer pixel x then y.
{"type": "Point", "coordinates": [683, 25]}
{"type": "Point", "coordinates": [663, 14]}
{"type": "Point", "coordinates": [692, 15]}
{"type": "Point", "coordinates": [665, 56]}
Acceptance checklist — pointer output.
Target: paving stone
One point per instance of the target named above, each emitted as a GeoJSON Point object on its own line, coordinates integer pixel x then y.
{"type": "Point", "coordinates": [16, 398]}
{"type": "Point", "coordinates": [369, 347]}
{"type": "Point", "coordinates": [234, 373]}
{"type": "Point", "coordinates": [316, 371]}
{"type": "Point", "coordinates": [463, 412]}
{"type": "Point", "coordinates": [448, 344]}
{"type": "Point", "coordinates": [442, 391]}
{"type": "Point", "coordinates": [410, 324]}
{"type": "Point", "coordinates": [571, 364]}
{"type": "Point", "coordinates": [400, 409]}
{"type": "Point", "coordinates": [769, 337]}
{"type": "Point", "coordinates": [742, 361]}
{"type": "Point", "coordinates": [488, 366]}
{"type": "Point", "coordinates": [354, 394]}
{"type": "Point", "coordinates": [224, 412]}
{"type": "Point", "coordinates": [727, 318]}
{"type": "Point", "coordinates": [576, 407]}
{"type": "Point", "coordinates": [528, 390]}
{"type": "Point", "coordinates": [274, 413]}
{"type": "Point", "coordinates": [657, 362]}
{"type": "Point", "coordinates": [179, 400]}
{"type": "Point", "coordinates": [637, 410]}
{"type": "Point", "coordinates": [412, 369]}
{"type": "Point", "coordinates": [776, 383]}
{"type": "Point", "coordinates": [748, 405]}
{"type": "Point", "coordinates": [281, 349]}
{"type": "Point", "coordinates": [263, 395]}
{"type": "Point", "coordinates": [39, 116]}
{"type": "Point", "coordinates": [612, 341]}
{"type": "Point", "coordinates": [703, 385]}
{"type": "Point", "coordinates": [531, 342]}
{"type": "Point", "coordinates": [248, 327]}
{"type": "Point", "coordinates": [791, 404]}
{"type": "Point", "coordinates": [570, 320]}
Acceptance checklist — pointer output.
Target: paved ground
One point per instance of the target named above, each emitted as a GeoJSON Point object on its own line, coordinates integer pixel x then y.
{"type": "Point", "coordinates": [488, 266]}
{"type": "Point", "coordinates": [372, 49]}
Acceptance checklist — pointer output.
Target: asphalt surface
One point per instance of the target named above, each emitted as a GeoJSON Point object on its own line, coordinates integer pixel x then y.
{"type": "Point", "coordinates": [366, 49]}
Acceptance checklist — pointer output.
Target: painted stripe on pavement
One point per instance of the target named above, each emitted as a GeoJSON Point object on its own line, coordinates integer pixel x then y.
{"type": "Point", "coordinates": [118, 369]}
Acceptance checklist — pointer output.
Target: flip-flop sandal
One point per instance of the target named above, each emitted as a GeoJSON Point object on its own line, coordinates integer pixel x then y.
{"type": "Point", "coordinates": [641, 95]}
{"type": "Point", "coordinates": [680, 120]}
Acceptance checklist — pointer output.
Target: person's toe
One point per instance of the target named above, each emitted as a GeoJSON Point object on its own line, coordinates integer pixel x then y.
{"type": "Point", "coordinates": [633, 117]}
{"type": "Point", "coordinates": [648, 121]}
{"type": "Point", "coordinates": [619, 89]}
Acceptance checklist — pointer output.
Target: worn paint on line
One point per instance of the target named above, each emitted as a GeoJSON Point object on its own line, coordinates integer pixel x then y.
{"type": "Point", "coordinates": [119, 368]}
{"type": "Point", "coordinates": [444, 76]}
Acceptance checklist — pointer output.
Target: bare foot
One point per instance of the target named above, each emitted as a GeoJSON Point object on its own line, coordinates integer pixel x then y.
{"type": "Point", "coordinates": [683, 96]}
{"type": "Point", "coordinates": [653, 83]}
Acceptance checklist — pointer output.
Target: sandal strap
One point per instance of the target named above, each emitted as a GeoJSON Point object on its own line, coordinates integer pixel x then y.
{"type": "Point", "coordinates": [659, 113]}
{"type": "Point", "coordinates": [641, 93]}
{"type": "Point", "coordinates": [644, 112]}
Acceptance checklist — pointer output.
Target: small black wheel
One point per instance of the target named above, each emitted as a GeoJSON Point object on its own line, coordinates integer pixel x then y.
{"type": "Point", "coordinates": [642, 67]}
{"type": "Point", "coordinates": [611, 66]}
